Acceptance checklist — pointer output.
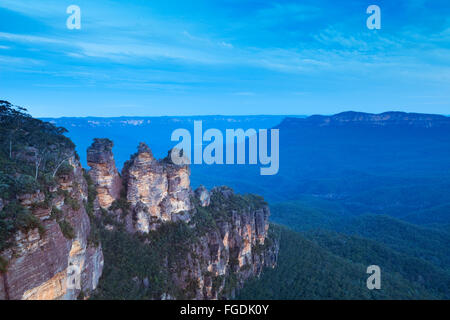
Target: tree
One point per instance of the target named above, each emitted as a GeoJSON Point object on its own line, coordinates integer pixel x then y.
{"type": "Point", "coordinates": [39, 157]}
{"type": "Point", "coordinates": [61, 158]}
{"type": "Point", "coordinates": [50, 144]}
{"type": "Point", "coordinates": [12, 119]}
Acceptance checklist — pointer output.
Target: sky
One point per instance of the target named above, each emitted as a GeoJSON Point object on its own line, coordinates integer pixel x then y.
{"type": "Point", "coordinates": [229, 57]}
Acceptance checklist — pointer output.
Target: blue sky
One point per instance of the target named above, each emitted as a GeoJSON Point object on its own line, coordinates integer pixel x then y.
{"type": "Point", "coordinates": [142, 57]}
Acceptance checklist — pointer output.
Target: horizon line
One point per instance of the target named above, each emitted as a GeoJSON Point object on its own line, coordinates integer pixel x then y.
{"type": "Point", "coordinates": [243, 115]}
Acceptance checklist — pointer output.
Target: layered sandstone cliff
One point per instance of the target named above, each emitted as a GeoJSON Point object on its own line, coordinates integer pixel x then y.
{"type": "Point", "coordinates": [104, 172]}
{"type": "Point", "coordinates": [210, 242]}
{"type": "Point", "coordinates": [234, 248]}
{"type": "Point", "coordinates": [60, 225]}
{"type": "Point", "coordinates": [55, 260]}
{"type": "Point", "coordinates": [219, 239]}
{"type": "Point", "coordinates": [157, 190]}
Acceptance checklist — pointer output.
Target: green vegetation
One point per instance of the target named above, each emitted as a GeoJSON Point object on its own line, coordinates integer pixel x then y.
{"type": "Point", "coordinates": [94, 234]}
{"type": "Point", "coordinates": [15, 217]}
{"type": "Point", "coordinates": [367, 252]}
{"type": "Point", "coordinates": [434, 216]}
{"type": "Point", "coordinates": [419, 242]}
{"type": "Point", "coordinates": [92, 194]}
{"type": "Point", "coordinates": [72, 203]}
{"type": "Point", "coordinates": [127, 256]}
{"type": "Point", "coordinates": [308, 213]}
{"type": "Point", "coordinates": [56, 214]}
{"type": "Point", "coordinates": [416, 241]}
{"type": "Point", "coordinates": [67, 229]}
{"type": "Point", "coordinates": [121, 203]}
{"type": "Point", "coordinates": [33, 154]}
{"type": "Point", "coordinates": [3, 265]}
{"type": "Point", "coordinates": [417, 254]}
{"type": "Point", "coordinates": [232, 201]}
{"type": "Point", "coordinates": [158, 254]}
{"type": "Point", "coordinates": [34, 149]}
{"type": "Point", "coordinates": [308, 271]}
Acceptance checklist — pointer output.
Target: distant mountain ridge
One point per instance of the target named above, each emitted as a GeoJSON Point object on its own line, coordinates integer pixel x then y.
{"type": "Point", "coordinates": [391, 118]}
{"type": "Point", "coordinates": [163, 120]}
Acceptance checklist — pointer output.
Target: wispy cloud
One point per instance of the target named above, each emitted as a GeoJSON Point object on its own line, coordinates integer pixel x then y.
{"type": "Point", "coordinates": [277, 13]}
{"type": "Point", "coordinates": [30, 39]}
{"type": "Point", "coordinates": [34, 8]}
{"type": "Point", "coordinates": [16, 61]}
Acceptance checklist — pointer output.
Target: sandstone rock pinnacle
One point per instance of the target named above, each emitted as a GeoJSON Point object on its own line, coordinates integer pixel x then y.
{"type": "Point", "coordinates": [104, 172]}
{"type": "Point", "coordinates": [158, 191]}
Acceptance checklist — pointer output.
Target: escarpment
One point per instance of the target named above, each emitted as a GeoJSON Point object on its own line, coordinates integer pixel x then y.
{"type": "Point", "coordinates": [66, 233]}
{"type": "Point", "coordinates": [52, 254]}
{"type": "Point", "coordinates": [233, 246]}
{"type": "Point", "coordinates": [48, 247]}
{"type": "Point", "coordinates": [204, 244]}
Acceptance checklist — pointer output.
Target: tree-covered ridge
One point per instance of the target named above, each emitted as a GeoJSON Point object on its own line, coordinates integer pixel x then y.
{"type": "Point", "coordinates": [427, 243]}
{"type": "Point", "coordinates": [415, 253]}
{"type": "Point", "coordinates": [368, 252]}
{"type": "Point", "coordinates": [308, 269]}
{"type": "Point", "coordinates": [32, 155]}
{"type": "Point", "coordinates": [141, 266]}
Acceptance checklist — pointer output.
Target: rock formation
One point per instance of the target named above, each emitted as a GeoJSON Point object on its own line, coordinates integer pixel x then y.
{"type": "Point", "coordinates": [57, 261]}
{"type": "Point", "coordinates": [104, 172]}
{"type": "Point", "coordinates": [225, 237]}
{"type": "Point", "coordinates": [158, 191]}
{"type": "Point", "coordinates": [225, 240]}
{"type": "Point", "coordinates": [236, 249]}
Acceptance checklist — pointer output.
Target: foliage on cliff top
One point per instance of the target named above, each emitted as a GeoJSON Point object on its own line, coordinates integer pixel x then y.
{"type": "Point", "coordinates": [32, 154]}
{"type": "Point", "coordinates": [15, 217]}
{"type": "Point", "coordinates": [131, 258]}
{"type": "Point", "coordinates": [32, 151]}
{"type": "Point", "coordinates": [225, 202]}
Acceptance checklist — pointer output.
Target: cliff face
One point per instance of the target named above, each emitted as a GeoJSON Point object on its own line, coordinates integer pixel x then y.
{"type": "Point", "coordinates": [55, 260]}
{"type": "Point", "coordinates": [204, 245]}
{"type": "Point", "coordinates": [158, 191]}
{"type": "Point", "coordinates": [209, 242]}
{"type": "Point", "coordinates": [54, 219]}
{"type": "Point", "coordinates": [234, 248]}
{"type": "Point", "coordinates": [104, 172]}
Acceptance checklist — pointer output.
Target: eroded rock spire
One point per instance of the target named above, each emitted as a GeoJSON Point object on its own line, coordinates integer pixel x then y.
{"type": "Point", "coordinates": [103, 172]}
{"type": "Point", "coordinates": [158, 191]}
